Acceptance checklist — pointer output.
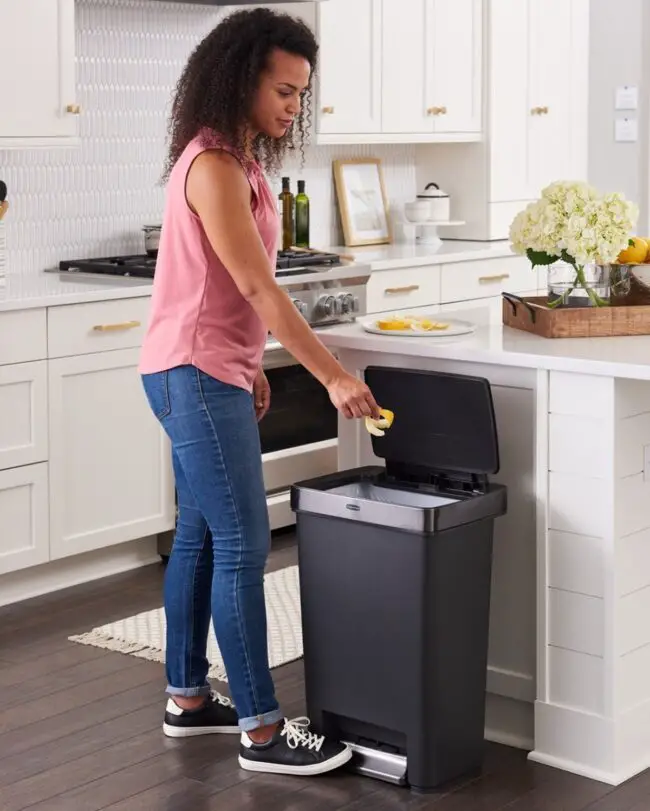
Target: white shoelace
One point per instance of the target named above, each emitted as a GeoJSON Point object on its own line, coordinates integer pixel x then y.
{"type": "Point", "coordinates": [297, 734]}
{"type": "Point", "coordinates": [223, 700]}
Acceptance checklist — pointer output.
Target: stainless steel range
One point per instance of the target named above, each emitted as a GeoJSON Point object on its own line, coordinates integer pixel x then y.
{"type": "Point", "coordinates": [325, 287]}
{"type": "Point", "coordinates": [299, 434]}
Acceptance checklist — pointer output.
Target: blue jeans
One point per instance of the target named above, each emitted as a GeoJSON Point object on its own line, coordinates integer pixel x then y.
{"type": "Point", "coordinates": [216, 566]}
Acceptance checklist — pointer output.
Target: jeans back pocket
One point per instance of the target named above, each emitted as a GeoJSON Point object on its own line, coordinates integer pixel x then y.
{"type": "Point", "coordinates": [156, 387]}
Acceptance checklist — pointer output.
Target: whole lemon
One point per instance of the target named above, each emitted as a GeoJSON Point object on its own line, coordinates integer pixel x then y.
{"type": "Point", "coordinates": [635, 253]}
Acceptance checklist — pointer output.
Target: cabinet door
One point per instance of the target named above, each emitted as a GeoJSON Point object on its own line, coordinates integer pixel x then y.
{"type": "Point", "coordinates": [23, 414]}
{"type": "Point", "coordinates": [407, 94]}
{"type": "Point", "coordinates": [37, 83]}
{"type": "Point", "coordinates": [550, 90]}
{"type": "Point", "coordinates": [110, 468]}
{"type": "Point", "coordinates": [509, 104]}
{"type": "Point", "coordinates": [349, 89]}
{"type": "Point", "coordinates": [23, 517]}
{"type": "Point", "coordinates": [454, 65]}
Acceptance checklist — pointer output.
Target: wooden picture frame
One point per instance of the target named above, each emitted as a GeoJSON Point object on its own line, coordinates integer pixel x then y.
{"type": "Point", "coordinates": [362, 201]}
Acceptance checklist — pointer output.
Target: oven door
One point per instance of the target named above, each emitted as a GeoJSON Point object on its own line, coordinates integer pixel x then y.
{"type": "Point", "coordinates": [298, 434]}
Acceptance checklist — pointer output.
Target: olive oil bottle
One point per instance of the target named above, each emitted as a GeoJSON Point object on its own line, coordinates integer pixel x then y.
{"type": "Point", "coordinates": [302, 216]}
{"type": "Point", "coordinates": [287, 210]}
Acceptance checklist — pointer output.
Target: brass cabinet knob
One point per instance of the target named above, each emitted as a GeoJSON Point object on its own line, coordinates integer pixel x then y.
{"type": "Point", "coordinates": [73, 109]}
{"type": "Point", "coordinates": [328, 111]}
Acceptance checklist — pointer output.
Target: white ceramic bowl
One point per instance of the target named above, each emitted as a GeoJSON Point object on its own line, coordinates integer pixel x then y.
{"type": "Point", "coordinates": [417, 211]}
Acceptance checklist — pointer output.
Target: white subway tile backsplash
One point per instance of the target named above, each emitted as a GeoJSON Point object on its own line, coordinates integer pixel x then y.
{"type": "Point", "coordinates": [92, 199]}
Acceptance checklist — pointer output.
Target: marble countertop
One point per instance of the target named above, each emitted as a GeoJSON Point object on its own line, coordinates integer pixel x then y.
{"type": "Point", "coordinates": [387, 257]}
{"type": "Point", "coordinates": [623, 357]}
{"type": "Point", "coordinates": [25, 291]}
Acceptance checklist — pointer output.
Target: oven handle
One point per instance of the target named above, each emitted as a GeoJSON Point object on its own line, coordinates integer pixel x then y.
{"type": "Point", "coordinates": [276, 356]}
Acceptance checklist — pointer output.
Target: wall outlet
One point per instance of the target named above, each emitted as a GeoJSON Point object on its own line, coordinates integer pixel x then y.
{"type": "Point", "coordinates": [646, 463]}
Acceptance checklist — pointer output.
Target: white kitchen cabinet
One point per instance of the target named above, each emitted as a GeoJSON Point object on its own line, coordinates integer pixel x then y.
{"type": "Point", "coordinates": [23, 517]}
{"type": "Point", "coordinates": [538, 114]}
{"type": "Point", "coordinates": [23, 414]}
{"type": "Point", "coordinates": [431, 66]}
{"type": "Point", "coordinates": [349, 89]}
{"type": "Point", "coordinates": [37, 83]}
{"type": "Point", "coordinates": [395, 72]}
{"type": "Point", "coordinates": [110, 472]}
{"type": "Point", "coordinates": [537, 90]}
{"type": "Point", "coordinates": [403, 288]}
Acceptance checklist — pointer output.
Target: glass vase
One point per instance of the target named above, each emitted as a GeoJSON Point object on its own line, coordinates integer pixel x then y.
{"type": "Point", "coordinates": [581, 286]}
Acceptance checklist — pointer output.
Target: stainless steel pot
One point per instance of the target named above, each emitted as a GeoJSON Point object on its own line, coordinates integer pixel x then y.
{"type": "Point", "coordinates": [151, 239]}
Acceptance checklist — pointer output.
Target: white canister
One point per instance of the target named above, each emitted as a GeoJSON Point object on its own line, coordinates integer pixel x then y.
{"type": "Point", "coordinates": [439, 202]}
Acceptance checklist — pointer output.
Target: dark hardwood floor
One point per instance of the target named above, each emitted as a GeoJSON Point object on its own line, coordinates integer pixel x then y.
{"type": "Point", "coordinates": [80, 730]}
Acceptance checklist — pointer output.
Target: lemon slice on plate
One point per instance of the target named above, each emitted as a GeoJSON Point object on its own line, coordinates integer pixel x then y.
{"type": "Point", "coordinates": [393, 324]}
{"type": "Point", "coordinates": [377, 427]}
{"type": "Point", "coordinates": [428, 325]}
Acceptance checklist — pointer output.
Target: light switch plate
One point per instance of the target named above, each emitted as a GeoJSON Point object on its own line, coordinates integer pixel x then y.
{"type": "Point", "coordinates": [626, 130]}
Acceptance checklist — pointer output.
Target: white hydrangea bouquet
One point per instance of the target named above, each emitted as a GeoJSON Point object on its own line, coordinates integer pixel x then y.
{"type": "Point", "coordinates": [573, 222]}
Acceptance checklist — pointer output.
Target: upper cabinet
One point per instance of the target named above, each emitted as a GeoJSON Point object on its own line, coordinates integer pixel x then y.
{"type": "Point", "coordinates": [536, 85]}
{"type": "Point", "coordinates": [37, 84]}
{"type": "Point", "coordinates": [349, 85]}
{"type": "Point", "coordinates": [396, 72]}
{"type": "Point", "coordinates": [539, 95]}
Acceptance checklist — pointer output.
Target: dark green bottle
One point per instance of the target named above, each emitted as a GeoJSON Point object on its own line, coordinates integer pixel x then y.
{"type": "Point", "coordinates": [302, 216]}
{"type": "Point", "coordinates": [287, 207]}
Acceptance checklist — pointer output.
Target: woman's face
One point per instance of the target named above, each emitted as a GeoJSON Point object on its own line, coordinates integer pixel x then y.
{"type": "Point", "coordinates": [278, 98]}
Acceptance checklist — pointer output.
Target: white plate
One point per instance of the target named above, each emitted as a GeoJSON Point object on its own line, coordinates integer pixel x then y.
{"type": "Point", "coordinates": [456, 326]}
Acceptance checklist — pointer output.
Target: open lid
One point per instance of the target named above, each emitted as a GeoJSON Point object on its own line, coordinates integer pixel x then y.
{"type": "Point", "coordinates": [444, 423]}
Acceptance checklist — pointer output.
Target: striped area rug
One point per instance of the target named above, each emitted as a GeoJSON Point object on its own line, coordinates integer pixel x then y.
{"type": "Point", "coordinates": [143, 635]}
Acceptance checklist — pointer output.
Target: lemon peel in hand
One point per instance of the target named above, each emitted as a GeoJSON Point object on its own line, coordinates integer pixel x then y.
{"type": "Point", "coordinates": [378, 427]}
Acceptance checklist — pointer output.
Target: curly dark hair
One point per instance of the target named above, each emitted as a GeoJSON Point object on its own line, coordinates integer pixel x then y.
{"type": "Point", "coordinates": [217, 86]}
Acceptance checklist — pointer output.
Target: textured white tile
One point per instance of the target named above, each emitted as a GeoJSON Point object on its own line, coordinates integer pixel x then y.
{"type": "Point", "coordinates": [92, 200]}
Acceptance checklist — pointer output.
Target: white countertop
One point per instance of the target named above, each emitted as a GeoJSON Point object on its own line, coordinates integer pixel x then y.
{"type": "Point", "coordinates": [627, 357]}
{"type": "Point", "coordinates": [387, 257]}
{"type": "Point", "coordinates": [22, 291]}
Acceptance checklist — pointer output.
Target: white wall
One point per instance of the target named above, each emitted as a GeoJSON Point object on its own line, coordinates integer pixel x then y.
{"type": "Point", "coordinates": [92, 200]}
{"type": "Point", "coordinates": [619, 55]}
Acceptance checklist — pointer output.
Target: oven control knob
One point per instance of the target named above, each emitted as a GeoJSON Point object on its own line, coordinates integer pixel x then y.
{"type": "Point", "coordinates": [346, 303]}
{"type": "Point", "coordinates": [328, 305]}
{"type": "Point", "coordinates": [300, 306]}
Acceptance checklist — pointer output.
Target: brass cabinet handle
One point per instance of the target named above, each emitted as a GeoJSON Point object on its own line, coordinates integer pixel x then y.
{"type": "Point", "coordinates": [73, 109]}
{"type": "Point", "coordinates": [489, 279]}
{"type": "Point", "coordinates": [436, 111]}
{"type": "Point", "coordinates": [328, 111]}
{"type": "Point", "coordinates": [408, 289]}
{"type": "Point", "coordinates": [116, 327]}
{"type": "Point", "coordinates": [539, 111]}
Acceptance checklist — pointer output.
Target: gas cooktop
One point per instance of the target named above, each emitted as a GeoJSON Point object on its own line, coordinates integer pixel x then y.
{"type": "Point", "coordinates": [288, 263]}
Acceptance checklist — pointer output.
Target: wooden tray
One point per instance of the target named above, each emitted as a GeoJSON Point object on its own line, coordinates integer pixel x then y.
{"type": "Point", "coordinates": [532, 315]}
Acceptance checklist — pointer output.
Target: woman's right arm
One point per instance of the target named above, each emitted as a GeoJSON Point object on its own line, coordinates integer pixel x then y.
{"type": "Point", "coordinates": [219, 193]}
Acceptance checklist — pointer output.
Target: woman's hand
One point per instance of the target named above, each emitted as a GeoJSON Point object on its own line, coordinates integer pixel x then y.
{"type": "Point", "coordinates": [352, 397]}
{"type": "Point", "coordinates": [261, 394]}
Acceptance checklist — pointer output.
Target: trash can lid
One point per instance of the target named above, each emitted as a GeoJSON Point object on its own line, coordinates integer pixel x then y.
{"type": "Point", "coordinates": [444, 423]}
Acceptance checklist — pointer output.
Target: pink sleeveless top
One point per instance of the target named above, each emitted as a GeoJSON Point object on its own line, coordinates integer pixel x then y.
{"type": "Point", "coordinates": [198, 316]}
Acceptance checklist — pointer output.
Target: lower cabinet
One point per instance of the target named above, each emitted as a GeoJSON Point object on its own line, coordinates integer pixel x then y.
{"type": "Point", "coordinates": [110, 475]}
{"type": "Point", "coordinates": [23, 517]}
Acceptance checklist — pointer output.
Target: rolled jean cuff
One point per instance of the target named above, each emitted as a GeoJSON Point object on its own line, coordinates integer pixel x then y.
{"type": "Point", "coordinates": [189, 692]}
{"type": "Point", "coordinates": [257, 721]}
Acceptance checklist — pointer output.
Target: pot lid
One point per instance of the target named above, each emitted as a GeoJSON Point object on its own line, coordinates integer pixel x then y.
{"type": "Point", "coordinates": [432, 191]}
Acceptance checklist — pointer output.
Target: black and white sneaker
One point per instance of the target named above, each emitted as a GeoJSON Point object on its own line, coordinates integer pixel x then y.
{"type": "Point", "coordinates": [218, 714]}
{"type": "Point", "coordinates": [293, 749]}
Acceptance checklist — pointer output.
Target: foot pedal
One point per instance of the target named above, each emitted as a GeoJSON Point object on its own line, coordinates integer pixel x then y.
{"type": "Point", "coordinates": [387, 766]}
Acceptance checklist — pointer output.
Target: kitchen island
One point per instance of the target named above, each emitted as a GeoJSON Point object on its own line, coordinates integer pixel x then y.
{"type": "Point", "coordinates": [569, 652]}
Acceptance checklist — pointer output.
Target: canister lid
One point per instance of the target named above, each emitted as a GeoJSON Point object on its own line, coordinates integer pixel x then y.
{"type": "Point", "coordinates": [444, 423]}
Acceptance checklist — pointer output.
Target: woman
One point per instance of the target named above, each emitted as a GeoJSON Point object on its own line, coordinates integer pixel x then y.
{"type": "Point", "coordinates": [237, 109]}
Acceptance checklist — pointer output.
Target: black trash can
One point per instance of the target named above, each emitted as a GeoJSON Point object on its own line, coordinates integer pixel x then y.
{"type": "Point", "coordinates": [395, 574]}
